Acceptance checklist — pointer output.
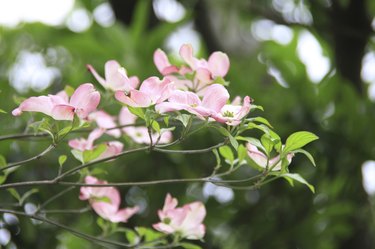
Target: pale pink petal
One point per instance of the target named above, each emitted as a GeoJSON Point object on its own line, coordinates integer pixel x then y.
{"type": "Point", "coordinates": [170, 202]}
{"type": "Point", "coordinates": [79, 144]}
{"type": "Point", "coordinates": [106, 121]}
{"type": "Point", "coordinates": [196, 233]}
{"type": "Point", "coordinates": [185, 97]}
{"type": "Point", "coordinates": [63, 112]}
{"type": "Point", "coordinates": [166, 137]}
{"type": "Point", "coordinates": [218, 64]}
{"type": "Point", "coordinates": [95, 134]}
{"type": "Point", "coordinates": [64, 97]}
{"type": "Point", "coordinates": [157, 90]}
{"type": "Point", "coordinates": [216, 96]}
{"type": "Point", "coordinates": [123, 215]}
{"type": "Point", "coordinates": [113, 148]}
{"type": "Point", "coordinates": [116, 76]}
{"type": "Point", "coordinates": [170, 107]}
{"type": "Point", "coordinates": [162, 63]}
{"type": "Point", "coordinates": [257, 156]}
{"type": "Point", "coordinates": [85, 99]}
{"type": "Point", "coordinates": [41, 104]}
{"type": "Point", "coordinates": [97, 76]}
{"type": "Point", "coordinates": [204, 76]}
{"type": "Point", "coordinates": [126, 117]}
{"type": "Point", "coordinates": [164, 228]}
{"type": "Point", "coordinates": [186, 53]}
{"type": "Point", "coordinates": [134, 81]}
{"type": "Point", "coordinates": [136, 98]}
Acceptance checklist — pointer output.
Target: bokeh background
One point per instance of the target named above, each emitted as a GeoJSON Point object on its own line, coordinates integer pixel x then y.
{"type": "Point", "coordinates": [310, 64]}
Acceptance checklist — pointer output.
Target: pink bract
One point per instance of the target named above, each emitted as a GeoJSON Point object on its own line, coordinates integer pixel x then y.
{"type": "Point", "coordinates": [140, 134]}
{"type": "Point", "coordinates": [233, 114]}
{"type": "Point", "coordinates": [106, 201]}
{"type": "Point", "coordinates": [186, 220]}
{"type": "Point", "coordinates": [84, 100]}
{"type": "Point", "coordinates": [115, 77]}
{"type": "Point", "coordinates": [152, 91]}
{"type": "Point", "coordinates": [261, 159]}
{"type": "Point", "coordinates": [105, 121]}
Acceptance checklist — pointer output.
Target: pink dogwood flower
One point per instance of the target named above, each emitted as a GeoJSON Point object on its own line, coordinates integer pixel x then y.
{"type": "Point", "coordinates": [106, 201]}
{"type": "Point", "coordinates": [105, 121]}
{"type": "Point", "coordinates": [140, 134]}
{"type": "Point", "coordinates": [115, 77]}
{"type": "Point", "coordinates": [233, 113]}
{"type": "Point", "coordinates": [152, 91]}
{"type": "Point", "coordinates": [84, 100]}
{"type": "Point", "coordinates": [213, 101]}
{"type": "Point", "coordinates": [203, 72]}
{"type": "Point", "coordinates": [261, 159]}
{"type": "Point", "coordinates": [186, 221]}
{"type": "Point", "coordinates": [112, 148]}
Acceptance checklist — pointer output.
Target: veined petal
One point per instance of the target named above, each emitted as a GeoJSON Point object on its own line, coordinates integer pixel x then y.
{"type": "Point", "coordinates": [41, 104]}
{"type": "Point", "coordinates": [85, 99]}
{"type": "Point", "coordinates": [116, 76]}
{"type": "Point", "coordinates": [63, 112]}
{"type": "Point", "coordinates": [218, 64]}
{"type": "Point", "coordinates": [123, 215]}
{"type": "Point", "coordinates": [97, 76]}
{"type": "Point", "coordinates": [162, 63]}
{"type": "Point", "coordinates": [186, 53]}
{"type": "Point", "coordinates": [215, 97]}
{"type": "Point", "coordinates": [257, 156]}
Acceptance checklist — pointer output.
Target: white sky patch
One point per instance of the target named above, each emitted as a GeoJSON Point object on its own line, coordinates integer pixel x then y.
{"type": "Point", "coordinates": [169, 10]}
{"type": "Point", "coordinates": [293, 11]}
{"type": "Point", "coordinates": [274, 72]}
{"type": "Point", "coordinates": [184, 34]}
{"type": "Point", "coordinates": [50, 12]}
{"type": "Point", "coordinates": [368, 67]}
{"type": "Point", "coordinates": [80, 20]}
{"type": "Point", "coordinates": [221, 194]}
{"type": "Point", "coordinates": [30, 72]}
{"type": "Point", "coordinates": [103, 15]}
{"type": "Point", "coordinates": [311, 54]}
{"type": "Point", "coordinates": [265, 30]}
{"type": "Point", "coordinates": [368, 176]}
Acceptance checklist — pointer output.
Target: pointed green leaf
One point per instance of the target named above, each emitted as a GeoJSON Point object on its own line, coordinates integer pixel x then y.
{"type": "Point", "coordinates": [298, 140]}
{"type": "Point", "coordinates": [186, 245]}
{"type": "Point", "coordinates": [241, 153]}
{"type": "Point", "coordinates": [2, 111]}
{"type": "Point", "coordinates": [297, 177]}
{"type": "Point", "coordinates": [137, 112]}
{"type": "Point", "coordinates": [227, 153]}
{"type": "Point", "coordinates": [89, 155]}
{"type": "Point", "coordinates": [62, 160]}
{"type": "Point", "coordinates": [184, 118]}
{"type": "Point", "coordinates": [307, 154]}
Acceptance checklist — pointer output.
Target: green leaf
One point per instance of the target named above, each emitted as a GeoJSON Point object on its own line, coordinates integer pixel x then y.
{"type": "Point", "coordinates": [3, 161]}
{"type": "Point", "coordinates": [241, 152]}
{"type": "Point", "coordinates": [260, 120]}
{"type": "Point", "coordinates": [297, 177]}
{"type": "Point", "coordinates": [298, 140]}
{"type": "Point", "coordinates": [62, 160]}
{"type": "Point", "coordinates": [2, 111]}
{"type": "Point", "coordinates": [267, 143]}
{"type": "Point", "coordinates": [233, 141]}
{"type": "Point", "coordinates": [137, 112]}
{"type": "Point", "coordinates": [307, 154]}
{"type": "Point", "coordinates": [184, 118]}
{"type": "Point", "coordinates": [227, 153]}
{"type": "Point", "coordinates": [131, 236]}
{"type": "Point", "coordinates": [89, 155]}
{"type": "Point", "coordinates": [189, 246]}
{"type": "Point", "coordinates": [166, 120]}
{"type": "Point", "coordinates": [78, 155]}
{"type": "Point", "coordinates": [3, 179]}
{"type": "Point", "coordinates": [148, 234]}
{"type": "Point", "coordinates": [155, 125]}
{"type": "Point", "coordinates": [14, 193]}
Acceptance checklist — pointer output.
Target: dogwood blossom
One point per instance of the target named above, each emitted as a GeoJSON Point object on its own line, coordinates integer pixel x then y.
{"type": "Point", "coordinates": [261, 159]}
{"type": "Point", "coordinates": [212, 102]}
{"type": "Point", "coordinates": [140, 134]}
{"type": "Point", "coordinates": [84, 100]}
{"type": "Point", "coordinates": [185, 221]}
{"type": "Point", "coordinates": [105, 121]}
{"type": "Point", "coordinates": [233, 113]}
{"type": "Point", "coordinates": [152, 91]}
{"type": "Point", "coordinates": [106, 201]}
{"type": "Point", "coordinates": [202, 73]}
{"type": "Point", "coordinates": [115, 77]}
{"type": "Point", "coordinates": [81, 144]}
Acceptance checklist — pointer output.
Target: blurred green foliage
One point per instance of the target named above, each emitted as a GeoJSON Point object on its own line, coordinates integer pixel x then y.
{"type": "Point", "coordinates": [339, 215]}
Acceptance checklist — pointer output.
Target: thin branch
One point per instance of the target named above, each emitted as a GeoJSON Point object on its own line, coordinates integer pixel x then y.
{"type": "Point", "coordinates": [71, 230]}
{"type": "Point", "coordinates": [54, 198]}
{"type": "Point", "coordinates": [11, 165]}
{"type": "Point", "coordinates": [191, 151]}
